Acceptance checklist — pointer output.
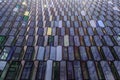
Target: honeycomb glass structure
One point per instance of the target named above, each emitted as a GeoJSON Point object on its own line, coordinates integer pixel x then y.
{"type": "Point", "coordinates": [59, 39]}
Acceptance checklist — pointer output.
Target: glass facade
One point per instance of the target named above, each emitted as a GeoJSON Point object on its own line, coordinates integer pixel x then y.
{"type": "Point", "coordinates": [59, 39]}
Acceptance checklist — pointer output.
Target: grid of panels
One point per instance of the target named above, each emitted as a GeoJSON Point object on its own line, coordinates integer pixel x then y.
{"type": "Point", "coordinates": [78, 39]}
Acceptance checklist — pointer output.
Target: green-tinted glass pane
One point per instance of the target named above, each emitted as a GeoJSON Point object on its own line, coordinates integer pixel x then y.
{"type": "Point", "coordinates": [2, 39]}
